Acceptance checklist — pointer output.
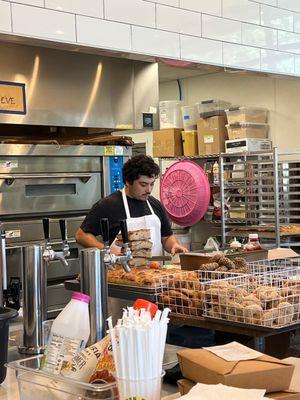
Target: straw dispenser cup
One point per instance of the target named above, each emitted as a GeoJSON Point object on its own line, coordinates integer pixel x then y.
{"type": "Point", "coordinates": [138, 344]}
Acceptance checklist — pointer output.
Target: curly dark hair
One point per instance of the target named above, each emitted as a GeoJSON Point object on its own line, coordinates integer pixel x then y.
{"type": "Point", "coordinates": [137, 166]}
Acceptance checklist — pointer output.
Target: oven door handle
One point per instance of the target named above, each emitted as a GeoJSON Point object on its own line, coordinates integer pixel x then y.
{"type": "Point", "coordinates": [10, 178]}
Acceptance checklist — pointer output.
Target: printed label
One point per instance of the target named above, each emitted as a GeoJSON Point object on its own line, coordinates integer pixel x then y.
{"type": "Point", "coordinates": [208, 138]}
{"type": "Point", "coordinates": [60, 351]}
{"type": "Point", "coordinates": [8, 164]}
{"type": "Point", "coordinates": [13, 234]}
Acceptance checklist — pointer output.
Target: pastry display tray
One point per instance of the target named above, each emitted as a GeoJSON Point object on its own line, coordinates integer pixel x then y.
{"type": "Point", "coordinates": [126, 292]}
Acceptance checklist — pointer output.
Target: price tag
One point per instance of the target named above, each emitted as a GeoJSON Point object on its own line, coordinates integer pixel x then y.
{"type": "Point", "coordinates": [13, 234]}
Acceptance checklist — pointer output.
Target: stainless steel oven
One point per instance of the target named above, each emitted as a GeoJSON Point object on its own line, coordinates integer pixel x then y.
{"type": "Point", "coordinates": [52, 181]}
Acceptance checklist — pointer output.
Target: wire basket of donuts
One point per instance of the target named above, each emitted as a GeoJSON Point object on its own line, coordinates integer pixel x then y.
{"type": "Point", "coordinates": [183, 291]}
{"type": "Point", "coordinates": [269, 300]}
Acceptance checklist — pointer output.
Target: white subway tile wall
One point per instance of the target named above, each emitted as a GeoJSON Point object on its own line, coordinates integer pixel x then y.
{"type": "Point", "coordinates": [155, 42]}
{"type": "Point", "coordinates": [241, 10]}
{"type": "Point", "coordinates": [251, 34]}
{"type": "Point", "coordinates": [201, 50]}
{"type": "Point", "coordinates": [254, 35]}
{"type": "Point", "coordinates": [92, 8]}
{"type": "Point", "coordinates": [241, 56]}
{"type": "Point", "coordinates": [5, 20]}
{"type": "Point", "coordinates": [177, 20]}
{"type": "Point", "coordinates": [42, 23]}
{"type": "Point", "coordinates": [221, 29]}
{"type": "Point", "coordinates": [104, 34]}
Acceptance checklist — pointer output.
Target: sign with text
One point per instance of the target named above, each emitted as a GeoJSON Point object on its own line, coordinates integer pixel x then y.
{"type": "Point", "coordinates": [12, 98]}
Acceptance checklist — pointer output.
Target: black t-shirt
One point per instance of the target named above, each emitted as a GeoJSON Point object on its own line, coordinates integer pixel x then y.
{"type": "Point", "coordinates": [112, 207]}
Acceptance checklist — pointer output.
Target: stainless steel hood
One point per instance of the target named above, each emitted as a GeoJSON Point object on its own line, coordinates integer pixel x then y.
{"type": "Point", "coordinates": [66, 88]}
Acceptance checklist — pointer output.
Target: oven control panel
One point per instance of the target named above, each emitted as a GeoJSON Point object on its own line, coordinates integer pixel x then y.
{"type": "Point", "coordinates": [115, 169]}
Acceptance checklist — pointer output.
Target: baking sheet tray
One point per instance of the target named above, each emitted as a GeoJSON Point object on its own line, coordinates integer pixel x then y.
{"type": "Point", "coordinates": [126, 292]}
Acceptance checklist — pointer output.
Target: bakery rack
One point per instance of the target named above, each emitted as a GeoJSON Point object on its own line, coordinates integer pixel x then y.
{"type": "Point", "coordinates": [260, 192]}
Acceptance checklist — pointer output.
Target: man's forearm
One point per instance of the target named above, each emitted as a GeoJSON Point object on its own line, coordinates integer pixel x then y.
{"type": "Point", "coordinates": [87, 240]}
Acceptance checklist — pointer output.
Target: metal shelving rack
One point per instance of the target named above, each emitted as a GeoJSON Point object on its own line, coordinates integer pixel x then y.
{"type": "Point", "coordinates": [265, 187]}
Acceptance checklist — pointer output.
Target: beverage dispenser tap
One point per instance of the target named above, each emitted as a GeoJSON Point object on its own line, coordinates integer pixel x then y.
{"type": "Point", "coordinates": [126, 252]}
{"type": "Point", "coordinates": [111, 259]}
{"type": "Point", "coordinates": [49, 254]}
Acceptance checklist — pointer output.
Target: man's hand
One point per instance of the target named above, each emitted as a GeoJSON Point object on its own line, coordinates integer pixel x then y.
{"type": "Point", "coordinates": [177, 248]}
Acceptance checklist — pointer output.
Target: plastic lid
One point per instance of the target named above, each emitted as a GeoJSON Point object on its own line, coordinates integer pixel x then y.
{"type": "Point", "coordinates": [243, 108]}
{"type": "Point", "coordinates": [81, 297]}
{"type": "Point", "coordinates": [246, 125]}
{"type": "Point", "coordinates": [147, 305]}
{"type": "Point", "coordinates": [253, 236]}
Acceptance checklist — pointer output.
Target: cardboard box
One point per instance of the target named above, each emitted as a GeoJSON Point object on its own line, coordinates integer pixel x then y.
{"type": "Point", "coordinates": [265, 372]}
{"type": "Point", "coordinates": [190, 143]}
{"type": "Point", "coordinates": [212, 134]}
{"type": "Point", "coordinates": [286, 395]}
{"type": "Point", "coordinates": [167, 143]}
{"type": "Point", "coordinates": [184, 386]}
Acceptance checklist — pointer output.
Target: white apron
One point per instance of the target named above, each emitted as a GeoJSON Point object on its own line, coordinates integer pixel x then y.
{"type": "Point", "coordinates": [151, 222]}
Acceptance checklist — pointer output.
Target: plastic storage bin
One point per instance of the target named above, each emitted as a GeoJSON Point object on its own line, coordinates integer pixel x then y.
{"type": "Point", "coordinates": [212, 108]}
{"type": "Point", "coordinates": [189, 116]}
{"type": "Point", "coordinates": [5, 315]}
{"type": "Point", "coordinates": [170, 114]}
{"type": "Point", "coordinates": [247, 114]}
{"type": "Point", "coordinates": [190, 143]}
{"type": "Point", "coordinates": [247, 130]}
{"type": "Point", "coordinates": [36, 384]}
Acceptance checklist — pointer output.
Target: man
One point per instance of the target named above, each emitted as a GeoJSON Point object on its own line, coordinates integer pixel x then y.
{"type": "Point", "coordinates": [134, 204]}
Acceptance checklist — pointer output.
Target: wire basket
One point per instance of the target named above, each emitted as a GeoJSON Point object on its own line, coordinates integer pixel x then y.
{"type": "Point", "coordinates": [288, 266]}
{"type": "Point", "coordinates": [183, 291]}
{"type": "Point", "coordinates": [269, 300]}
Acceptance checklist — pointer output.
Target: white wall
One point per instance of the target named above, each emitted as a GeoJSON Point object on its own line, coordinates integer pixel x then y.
{"type": "Point", "coordinates": [252, 34]}
{"type": "Point", "coordinates": [281, 95]}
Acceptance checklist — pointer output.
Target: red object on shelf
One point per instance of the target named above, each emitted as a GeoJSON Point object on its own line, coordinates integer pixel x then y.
{"type": "Point", "coordinates": [185, 192]}
{"type": "Point", "coordinates": [147, 305]}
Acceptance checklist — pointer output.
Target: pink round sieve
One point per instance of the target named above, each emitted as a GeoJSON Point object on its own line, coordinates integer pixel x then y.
{"type": "Point", "coordinates": [185, 192]}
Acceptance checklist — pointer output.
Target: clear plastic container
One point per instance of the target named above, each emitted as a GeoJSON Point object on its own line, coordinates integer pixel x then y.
{"type": "Point", "coordinates": [212, 108]}
{"type": "Point", "coordinates": [247, 114]}
{"type": "Point", "coordinates": [253, 243]}
{"type": "Point", "coordinates": [190, 115]}
{"type": "Point", "coordinates": [69, 333]}
{"type": "Point", "coordinates": [247, 130]}
{"type": "Point", "coordinates": [170, 115]}
{"type": "Point", "coordinates": [36, 384]}
{"type": "Point", "coordinates": [146, 388]}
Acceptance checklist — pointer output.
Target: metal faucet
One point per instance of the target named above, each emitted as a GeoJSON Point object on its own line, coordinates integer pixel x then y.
{"type": "Point", "coordinates": [111, 259]}
{"type": "Point", "coordinates": [49, 254]}
{"type": "Point", "coordinates": [36, 259]}
{"type": "Point", "coordinates": [94, 263]}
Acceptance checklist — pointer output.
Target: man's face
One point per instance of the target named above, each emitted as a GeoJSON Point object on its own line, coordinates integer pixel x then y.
{"type": "Point", "coordinates": [141, 188]}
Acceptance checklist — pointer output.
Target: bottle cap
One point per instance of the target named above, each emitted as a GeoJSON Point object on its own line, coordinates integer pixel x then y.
{"type": "Point", "coordinates": [253, 236]}
{"type": "Point", "coordinates": [81, 297]}
{"type": "Point", "coordinates": [147, 305]}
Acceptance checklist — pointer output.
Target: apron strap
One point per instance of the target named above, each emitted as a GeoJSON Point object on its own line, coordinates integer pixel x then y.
{"type": "Point", "coordinates": [151, 209]}
{"type": "Point", "coordinates": [125, 202]}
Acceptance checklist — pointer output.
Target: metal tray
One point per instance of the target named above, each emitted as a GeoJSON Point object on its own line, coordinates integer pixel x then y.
{"type": "Point", "coordinates": [125, 292]}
